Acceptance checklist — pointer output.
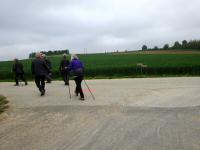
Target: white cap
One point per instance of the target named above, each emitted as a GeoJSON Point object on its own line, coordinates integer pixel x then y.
{"type": "Point", "coordinates": [74, 56]}
{"type": "Point", "coordinates": [38, 54]}
{"type": "Point", "coordinates": [43, 55]}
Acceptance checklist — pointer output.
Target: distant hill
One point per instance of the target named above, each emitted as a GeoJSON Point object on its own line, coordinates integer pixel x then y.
{"type": "Point", "coordinates": [160, 52]}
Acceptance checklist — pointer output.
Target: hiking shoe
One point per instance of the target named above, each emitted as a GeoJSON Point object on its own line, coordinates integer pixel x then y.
{"type": "Point", "coordinates": [42, 92]}
{"type": "Point", "coordinates": [81, 98]}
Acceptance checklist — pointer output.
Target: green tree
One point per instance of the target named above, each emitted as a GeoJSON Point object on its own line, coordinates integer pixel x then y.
{"type": "Point", "coordinates": [184, 44]}
{"type": "Point", "coordinates": [177, 45]}
{"type": "Point", "coordinates": [156, 48]}
{"type": "Point", "coordinates": [166, 47]}
{"type": "Point", "coordinates": [144, 47]}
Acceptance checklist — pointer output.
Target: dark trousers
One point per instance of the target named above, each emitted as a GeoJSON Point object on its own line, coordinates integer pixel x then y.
{"type": "Point", "coordinates": [19, 76]}
{"type": "Point", "coordinates": [65, 75]}
{"type": "Point", "coordinates": [78, 89]}
{"type": "Point", "coordinates": [40, 82]}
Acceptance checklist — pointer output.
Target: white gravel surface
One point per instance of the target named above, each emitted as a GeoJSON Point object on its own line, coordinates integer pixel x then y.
{"type": "Point", "coordinates": [147, 113]}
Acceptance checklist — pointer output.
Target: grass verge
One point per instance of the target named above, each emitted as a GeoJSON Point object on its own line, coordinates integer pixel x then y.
{"type": "Point", "coordinates": [3, 103]}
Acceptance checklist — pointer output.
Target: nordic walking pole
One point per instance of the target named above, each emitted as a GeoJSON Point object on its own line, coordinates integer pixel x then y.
{"type": "Point", "coordinates": [89, 90]}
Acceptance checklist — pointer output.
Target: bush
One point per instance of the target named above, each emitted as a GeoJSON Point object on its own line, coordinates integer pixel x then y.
{"type": "Point", "coordinates": [3, 103]}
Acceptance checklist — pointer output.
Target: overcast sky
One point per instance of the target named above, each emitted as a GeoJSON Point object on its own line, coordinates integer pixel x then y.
{"type": "Point", "coordinates": [94, 25]}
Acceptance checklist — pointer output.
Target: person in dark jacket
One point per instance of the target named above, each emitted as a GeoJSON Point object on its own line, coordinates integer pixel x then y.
{"type": "Point", "coordinates": [48, 74]}
{"type": "Point", "coordinates": [64, 70]}
{"type": "Point", "coordinates": [77, 68]}
{"type": "Point", "coordinates": [19, 72]}
{"type": "Point", "coordinates": [39, 69]}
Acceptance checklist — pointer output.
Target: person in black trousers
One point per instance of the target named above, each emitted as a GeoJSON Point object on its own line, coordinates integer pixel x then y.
{"type": "Point", "coordinates": [19, 72]}
{"type": "Point", "coordinates": [39, 69]}
{"type": "Point", "coordinates": [48, 74]}
{"type": "Point", "coordinates": [77, 68]}
{"type": "Point", "coordinates": [64, 70]}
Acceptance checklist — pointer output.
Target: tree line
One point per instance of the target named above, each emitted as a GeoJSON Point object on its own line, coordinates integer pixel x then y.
{"type": "Point", "coordinates": [50, 52]}
{"type": "Point", "coordinates": [184, 45]}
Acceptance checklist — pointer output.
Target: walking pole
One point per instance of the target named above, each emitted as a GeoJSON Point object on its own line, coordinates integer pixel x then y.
{"type": "Point", "coordinates": [89, 89]}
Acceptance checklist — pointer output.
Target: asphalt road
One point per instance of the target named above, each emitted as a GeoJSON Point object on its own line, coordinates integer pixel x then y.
{"type": "Point", "coordinates": [127, 114]}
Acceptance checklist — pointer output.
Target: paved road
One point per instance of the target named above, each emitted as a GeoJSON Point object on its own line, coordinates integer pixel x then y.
{"type": "Point", "coordinates": [141, 114]}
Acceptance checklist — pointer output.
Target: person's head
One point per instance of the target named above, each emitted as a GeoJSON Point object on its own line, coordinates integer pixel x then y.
{"type": "Point", "coordinates": [74, 56]}
{"type": "Point", "coordinates": [64, 56]}
{"type": "Point", "coordinates": [16, 60]}
{"type": "Point", "coordinates": [43, 56]}
{"type": "Point", "coordinates": [38, 55]}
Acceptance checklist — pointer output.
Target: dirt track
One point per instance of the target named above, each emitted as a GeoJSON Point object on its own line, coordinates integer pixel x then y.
{"type": "Point", "coordinates": [153, 114]}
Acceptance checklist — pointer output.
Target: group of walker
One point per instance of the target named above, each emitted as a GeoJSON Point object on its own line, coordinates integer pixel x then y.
{"type": "Point", "coordinates": [42, 70]}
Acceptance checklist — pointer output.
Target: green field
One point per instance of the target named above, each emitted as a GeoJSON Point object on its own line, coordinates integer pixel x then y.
{"type": "Point", "coordinates": [123, 65]}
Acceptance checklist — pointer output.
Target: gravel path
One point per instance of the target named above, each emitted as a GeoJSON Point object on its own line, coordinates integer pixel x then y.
{"type": "Point", "coordinates": [149, 113]}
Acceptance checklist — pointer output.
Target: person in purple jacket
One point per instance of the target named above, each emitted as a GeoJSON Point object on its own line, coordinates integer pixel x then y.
{"type": "Point", "coordinates": [77, 67]}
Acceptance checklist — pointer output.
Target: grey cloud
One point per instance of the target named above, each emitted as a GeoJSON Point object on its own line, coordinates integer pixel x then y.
{"type": "Point", "coordinates": [97, 25]}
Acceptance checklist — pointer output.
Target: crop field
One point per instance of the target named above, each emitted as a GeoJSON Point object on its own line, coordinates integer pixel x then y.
{"type": "Point", "coordinates": [123, 65]}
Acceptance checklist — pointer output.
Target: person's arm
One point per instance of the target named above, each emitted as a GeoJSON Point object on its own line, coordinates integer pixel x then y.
{"type": "Point", "coordinates": [22, 68]}
{"type": "Point", "coordinates": [46, 66]}
{"type": "Point", "coordinates": [68, 62]}
{"type": "Point", "coordinates": [70, 66]}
